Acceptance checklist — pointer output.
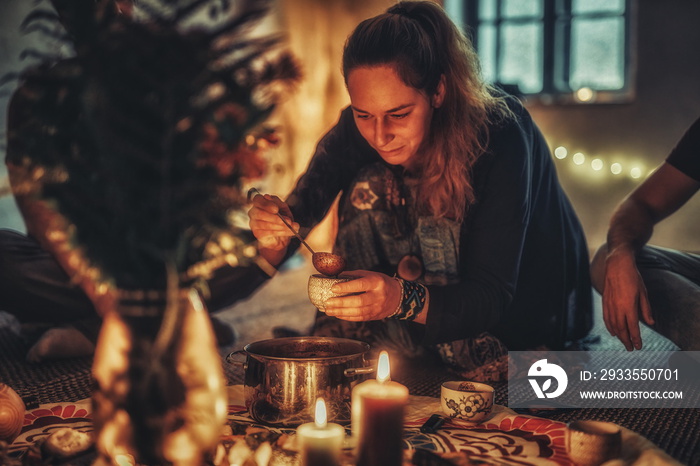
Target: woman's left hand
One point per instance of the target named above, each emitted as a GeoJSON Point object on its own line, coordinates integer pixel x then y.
{"type": "Point", "coordinates": [379, 297]}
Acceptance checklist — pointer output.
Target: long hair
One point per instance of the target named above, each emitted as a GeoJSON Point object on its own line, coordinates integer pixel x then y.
{"type": "Point", "coordinates": [419, 40]}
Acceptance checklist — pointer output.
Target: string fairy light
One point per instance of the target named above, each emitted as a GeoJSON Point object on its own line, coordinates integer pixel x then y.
{"type": "Point", "coordinates": [619, 169]}
{"type": "Point", "coordinates": [585, 94]}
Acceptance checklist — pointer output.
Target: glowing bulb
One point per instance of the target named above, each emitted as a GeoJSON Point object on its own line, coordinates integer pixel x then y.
{"type": "Point", "coordinates": [636, 172]}
{"type": "Point", "coordinates": [383, 372]}
{"type": "Point", "coordinates": [585, 94]}
{"type": "Point", "coordinates": [560, 152]}
{"type": "Point", "coordinates": [579, 158]}
{"type": "Point", "coordinates": [596, 164]}
{"type": "Point", "coordinates": [320, 417]}
{"type": "Point", "coordinates": [616, 168]}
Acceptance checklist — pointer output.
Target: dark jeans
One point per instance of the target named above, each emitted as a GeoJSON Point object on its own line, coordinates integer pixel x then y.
{"type": "Point", "coordinates": [35, 289]}
{"type": "Point", "coordinates": [672, 279]}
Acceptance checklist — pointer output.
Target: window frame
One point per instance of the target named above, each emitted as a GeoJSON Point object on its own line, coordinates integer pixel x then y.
{"type": "Point", "coordinates": [555, 62]}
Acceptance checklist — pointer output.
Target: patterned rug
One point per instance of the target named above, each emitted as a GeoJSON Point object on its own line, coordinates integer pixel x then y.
{"type": "Point", "coordinates": [506, 438]}
{"type": "Point", "coordinates": [54, 387]}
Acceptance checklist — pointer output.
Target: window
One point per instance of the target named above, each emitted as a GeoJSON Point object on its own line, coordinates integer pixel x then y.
{"type": "Point", "coordinates": [553, 51]}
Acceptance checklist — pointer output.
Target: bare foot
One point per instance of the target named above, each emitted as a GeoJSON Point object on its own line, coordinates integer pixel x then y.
{"type": "Point", "coordinates": [62, 342]}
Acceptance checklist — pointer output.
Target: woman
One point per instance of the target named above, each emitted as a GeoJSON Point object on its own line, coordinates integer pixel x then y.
{"type": "Point", "coordinates": [451, 213]}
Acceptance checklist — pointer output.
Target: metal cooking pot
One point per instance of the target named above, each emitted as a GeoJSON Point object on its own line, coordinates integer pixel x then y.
{"type": "Point", "coordinates": [284, 377]}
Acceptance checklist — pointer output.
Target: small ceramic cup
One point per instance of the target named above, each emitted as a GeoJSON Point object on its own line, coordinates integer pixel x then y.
{"type": "Point", "coordinates": [468, 401]}
{"type": "Point", "coordinates": [591, 443]}
{"type": "Point", "coordinates": [320, 288]}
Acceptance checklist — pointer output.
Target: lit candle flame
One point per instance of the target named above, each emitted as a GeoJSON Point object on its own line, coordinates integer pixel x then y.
{"type": "Point", "coordinates": [383, 372]}
{"type": "Point", "coordinates": [320, 416]}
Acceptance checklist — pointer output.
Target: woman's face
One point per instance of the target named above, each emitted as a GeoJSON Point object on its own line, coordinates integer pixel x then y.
{"type": "Point", "coordinates": [394, 118]}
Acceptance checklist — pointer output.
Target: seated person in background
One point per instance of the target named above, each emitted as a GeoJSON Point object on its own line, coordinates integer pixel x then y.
{"type": "Point", "coordinates": [451, 212]}
{"type": "Point", "coordinates": [658, 286]}
{"type": "Point", "coordinates": [34, 287]}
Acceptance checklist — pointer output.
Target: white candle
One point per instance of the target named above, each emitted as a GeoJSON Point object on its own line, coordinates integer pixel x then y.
{"type": "Point", "coordinates": [320, 443]}
{"type": "Point", "coordinates": [378, 418]}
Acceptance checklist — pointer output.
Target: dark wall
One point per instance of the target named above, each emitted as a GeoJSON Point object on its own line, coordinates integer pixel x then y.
{"type": "Point", "coordinates": [640, 133]}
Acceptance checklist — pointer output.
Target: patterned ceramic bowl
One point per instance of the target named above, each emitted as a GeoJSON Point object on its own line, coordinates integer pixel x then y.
{"type": "Point", "coordinates": [468, 401]}
{"type": "Point", "coordinates": [592, 443]}
{"type": "Point", "coordinates": [320, 288]}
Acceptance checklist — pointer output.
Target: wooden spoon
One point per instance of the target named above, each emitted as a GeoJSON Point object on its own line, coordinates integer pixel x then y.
{"type": "Point", "coordinates": [327, 263]}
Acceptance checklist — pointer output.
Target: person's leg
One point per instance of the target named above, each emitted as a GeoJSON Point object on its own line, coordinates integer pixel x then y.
{"type": "Point", "coordinates": [226, 286]}
{"type": "Point", "coordinates": [35, 289]}
{"type": "Point", "coordinates": [672, 279]}
{"type": "Point", "coordinates": [231, 284]}
{"type": "Point", "coordinates": [675, 305]}
{"type": "Point", "coordinates": [483, 358]}
{"type": "Point", "coordinates": [686, 264]}
{"type": "Point", "coordinates": [389, 335]}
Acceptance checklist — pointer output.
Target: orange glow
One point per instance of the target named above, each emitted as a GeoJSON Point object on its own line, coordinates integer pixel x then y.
{"type": "Point", "coordinates": [320, 416]}
{"type": "Point", "coordinates": [383, 371]}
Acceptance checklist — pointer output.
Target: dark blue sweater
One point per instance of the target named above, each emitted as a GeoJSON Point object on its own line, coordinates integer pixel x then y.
{"type": "Point", "coordinates": [523, 259]}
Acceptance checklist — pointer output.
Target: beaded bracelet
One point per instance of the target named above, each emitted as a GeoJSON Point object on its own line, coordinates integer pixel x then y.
{"type": "Point", "coordinates": [397, 311]}
{"type": "Point", "coordinates": [413, 296]}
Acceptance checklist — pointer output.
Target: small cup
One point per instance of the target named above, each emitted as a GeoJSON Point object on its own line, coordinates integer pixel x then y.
{"type": "Point", "coordinates": [591, 443]}
{"type": "Point", "coordinates": [468, 401]}
{"type": "Point", "coordinates": [320, 288]}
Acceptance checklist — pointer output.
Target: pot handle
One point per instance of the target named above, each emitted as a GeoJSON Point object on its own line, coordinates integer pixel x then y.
{"type": "Point", "coordinates": [355, 371]}
{"type": "Point", "coordinates": [230, 360]}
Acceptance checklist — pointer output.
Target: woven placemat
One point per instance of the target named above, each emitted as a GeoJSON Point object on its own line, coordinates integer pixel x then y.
{"type": "Point", "coordinates": [46, 382]}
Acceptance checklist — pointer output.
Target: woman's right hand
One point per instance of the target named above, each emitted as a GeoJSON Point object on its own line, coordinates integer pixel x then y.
{"type": "Point", "coordinates": [272, 234]}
